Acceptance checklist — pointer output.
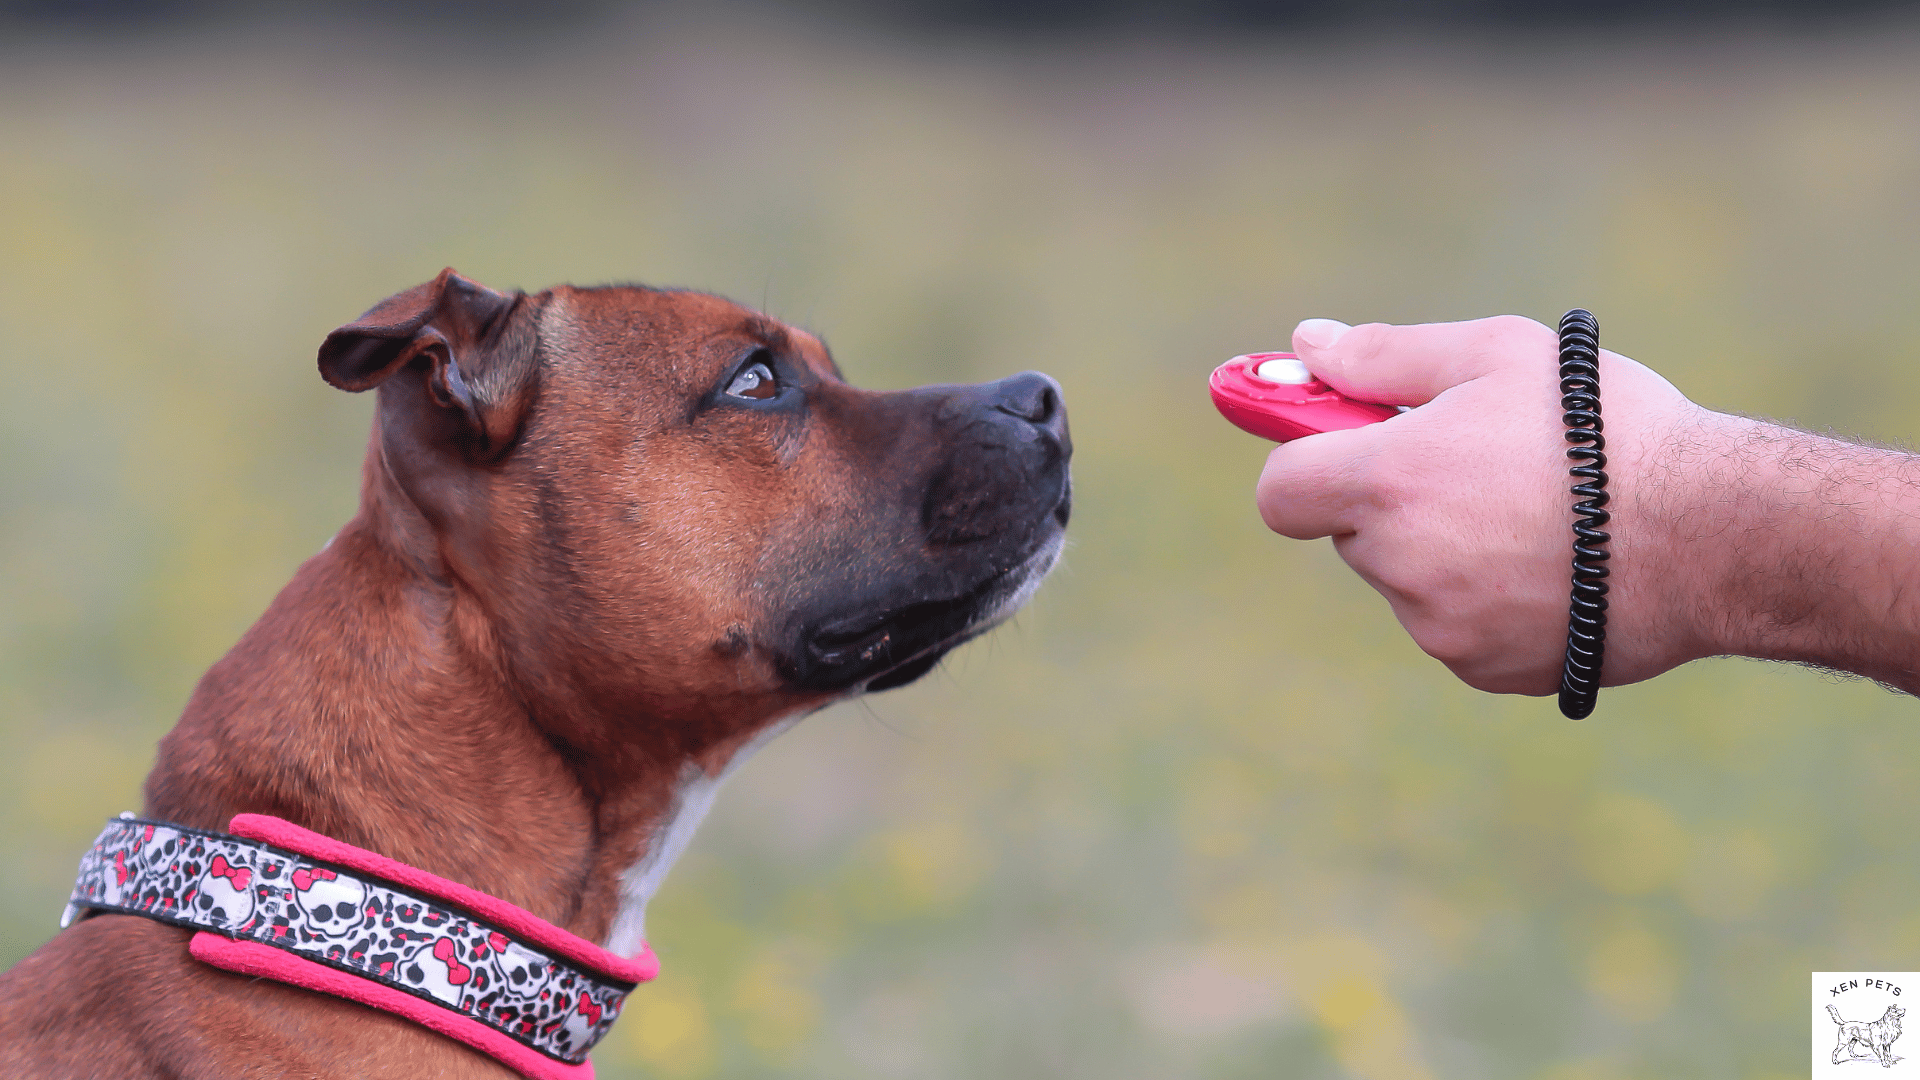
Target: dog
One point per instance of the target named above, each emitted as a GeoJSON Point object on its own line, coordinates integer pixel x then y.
{"type": "Point", "coordinates": [1859, 1039]}
{"type": "Point", "coordinates": [610, 540]}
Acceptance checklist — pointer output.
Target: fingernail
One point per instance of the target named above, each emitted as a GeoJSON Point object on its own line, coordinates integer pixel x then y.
{"type": "Point", "coordinates": [1319, 333]}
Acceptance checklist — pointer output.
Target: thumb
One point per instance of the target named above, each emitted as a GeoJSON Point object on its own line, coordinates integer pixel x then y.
{"type": "Point", "coordinates": [1411, 365]}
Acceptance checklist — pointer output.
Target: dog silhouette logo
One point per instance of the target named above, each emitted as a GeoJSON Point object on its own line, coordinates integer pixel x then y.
{"type": "Point", "coordinates": [1857, 1020]}
{"type": "Point", "coordinates": [1860, 1040]}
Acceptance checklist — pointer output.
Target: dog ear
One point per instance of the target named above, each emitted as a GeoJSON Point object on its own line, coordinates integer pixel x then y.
{"type": "Point", "coordinates": [459, 333]}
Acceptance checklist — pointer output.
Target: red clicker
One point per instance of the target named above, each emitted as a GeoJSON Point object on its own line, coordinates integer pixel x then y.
{"type": "Point", "coordinates": [1274, 396]}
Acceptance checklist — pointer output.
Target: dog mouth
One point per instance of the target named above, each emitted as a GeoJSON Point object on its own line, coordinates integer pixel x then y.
{"type": "Point", "coordinates": [959, 544]}
{"type": "Point", "coordinates": [896, 645]}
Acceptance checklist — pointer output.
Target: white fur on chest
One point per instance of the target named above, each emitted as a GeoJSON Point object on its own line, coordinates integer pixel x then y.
{"type": "Point", "coordinates": [692, 798]}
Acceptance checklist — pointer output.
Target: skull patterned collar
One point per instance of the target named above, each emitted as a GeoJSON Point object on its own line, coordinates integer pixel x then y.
{"type": "Point", "coordinates": [277, 901]}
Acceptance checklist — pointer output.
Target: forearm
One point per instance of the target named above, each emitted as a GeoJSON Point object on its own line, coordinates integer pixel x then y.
{"type": "Point", "coordinates": [1805, 548]}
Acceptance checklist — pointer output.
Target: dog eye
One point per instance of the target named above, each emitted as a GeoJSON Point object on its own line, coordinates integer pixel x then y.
{"type": "Point", "coordinates": [754, 381]}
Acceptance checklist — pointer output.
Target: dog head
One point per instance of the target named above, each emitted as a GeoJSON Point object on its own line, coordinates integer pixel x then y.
{"type": "Point", "coordinates": [669, 510]}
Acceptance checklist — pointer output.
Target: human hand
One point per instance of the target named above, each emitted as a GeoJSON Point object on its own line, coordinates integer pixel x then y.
{"type": "Point", "coordinates": [1459, 511]}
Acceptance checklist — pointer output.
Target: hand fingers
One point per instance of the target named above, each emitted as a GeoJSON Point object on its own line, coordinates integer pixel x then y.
{"type": "Point", "coordinates": [1309, 487]}
{"type": "Point", "coordinates": [1411, 365]}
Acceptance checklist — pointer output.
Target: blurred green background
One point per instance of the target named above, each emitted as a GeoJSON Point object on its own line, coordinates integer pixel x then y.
{"type": "Point", "coordinates": [1202, 810]}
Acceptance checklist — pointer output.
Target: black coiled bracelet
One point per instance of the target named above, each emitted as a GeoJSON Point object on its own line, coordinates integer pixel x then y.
{"type": "Point", "coordinates": [1580, 402]}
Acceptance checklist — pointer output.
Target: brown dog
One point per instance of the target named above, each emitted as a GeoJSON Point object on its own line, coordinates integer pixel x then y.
{"type": "Point", "coordinates": [608, 539]}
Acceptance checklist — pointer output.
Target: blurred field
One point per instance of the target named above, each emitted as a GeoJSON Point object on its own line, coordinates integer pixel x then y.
{"type": "Point", "coordinates": [1202, 811]}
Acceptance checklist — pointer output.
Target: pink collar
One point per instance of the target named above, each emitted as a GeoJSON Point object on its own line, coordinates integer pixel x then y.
{"type": "Point", "coordinates": [277, 901]}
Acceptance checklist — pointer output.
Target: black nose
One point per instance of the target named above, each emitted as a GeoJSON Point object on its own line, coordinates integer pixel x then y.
{"type": "Point", "coordinates": [1031, 396]}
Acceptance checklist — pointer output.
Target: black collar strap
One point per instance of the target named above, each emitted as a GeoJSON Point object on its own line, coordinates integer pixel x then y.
{"type": "Point", "coordinates": [281, 902]}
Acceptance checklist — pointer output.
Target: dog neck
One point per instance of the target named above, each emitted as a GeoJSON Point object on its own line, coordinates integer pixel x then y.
{"type": "Point", "coordinates": [367, 705]}
{"type": "Point", "coordinates": [693, 796]}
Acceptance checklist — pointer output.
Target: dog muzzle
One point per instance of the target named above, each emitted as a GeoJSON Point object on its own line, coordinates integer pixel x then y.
{"type": "Point", "coordinates": [276, 901]}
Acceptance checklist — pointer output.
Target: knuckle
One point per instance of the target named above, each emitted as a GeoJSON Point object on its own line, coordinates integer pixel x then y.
{"type": "Point", "coordinates": [1485, 683]}
{"type": "Point", "coordinates": [1389, 493]}
{"type": "Point", "coordinates": [1490, 663]}
{"type": "Point", "coordinates": [1505, 680]}
{"type": "Point", "coordinates": [1408, 585]}
{"type": "Point", "coordinates": [1273, 511]}
{"type": "Point", "coordinates": [1384, 484]}
{"type": "Point", "coordinates": [1364, 343]}
{"type": "Point", "coordinates": [1455, 646]}
{"type": "Point", "coordinates": [1278, 498]}
{"type": "Point", "coordinates": [1515, 325]}
{"type": "Point", "coordinates": [1510, 331]}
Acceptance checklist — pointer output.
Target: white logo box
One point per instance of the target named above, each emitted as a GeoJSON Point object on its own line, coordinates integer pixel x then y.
{"type": "Point", "coordinates": [1860, 1021]}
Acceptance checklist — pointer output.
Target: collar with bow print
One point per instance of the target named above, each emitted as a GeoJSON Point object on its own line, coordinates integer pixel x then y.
{"type": "Point", "coordinates": [274, 900]}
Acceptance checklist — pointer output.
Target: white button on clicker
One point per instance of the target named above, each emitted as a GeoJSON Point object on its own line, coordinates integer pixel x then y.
{"type": "Point", "coordinates": [1287, 371]}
